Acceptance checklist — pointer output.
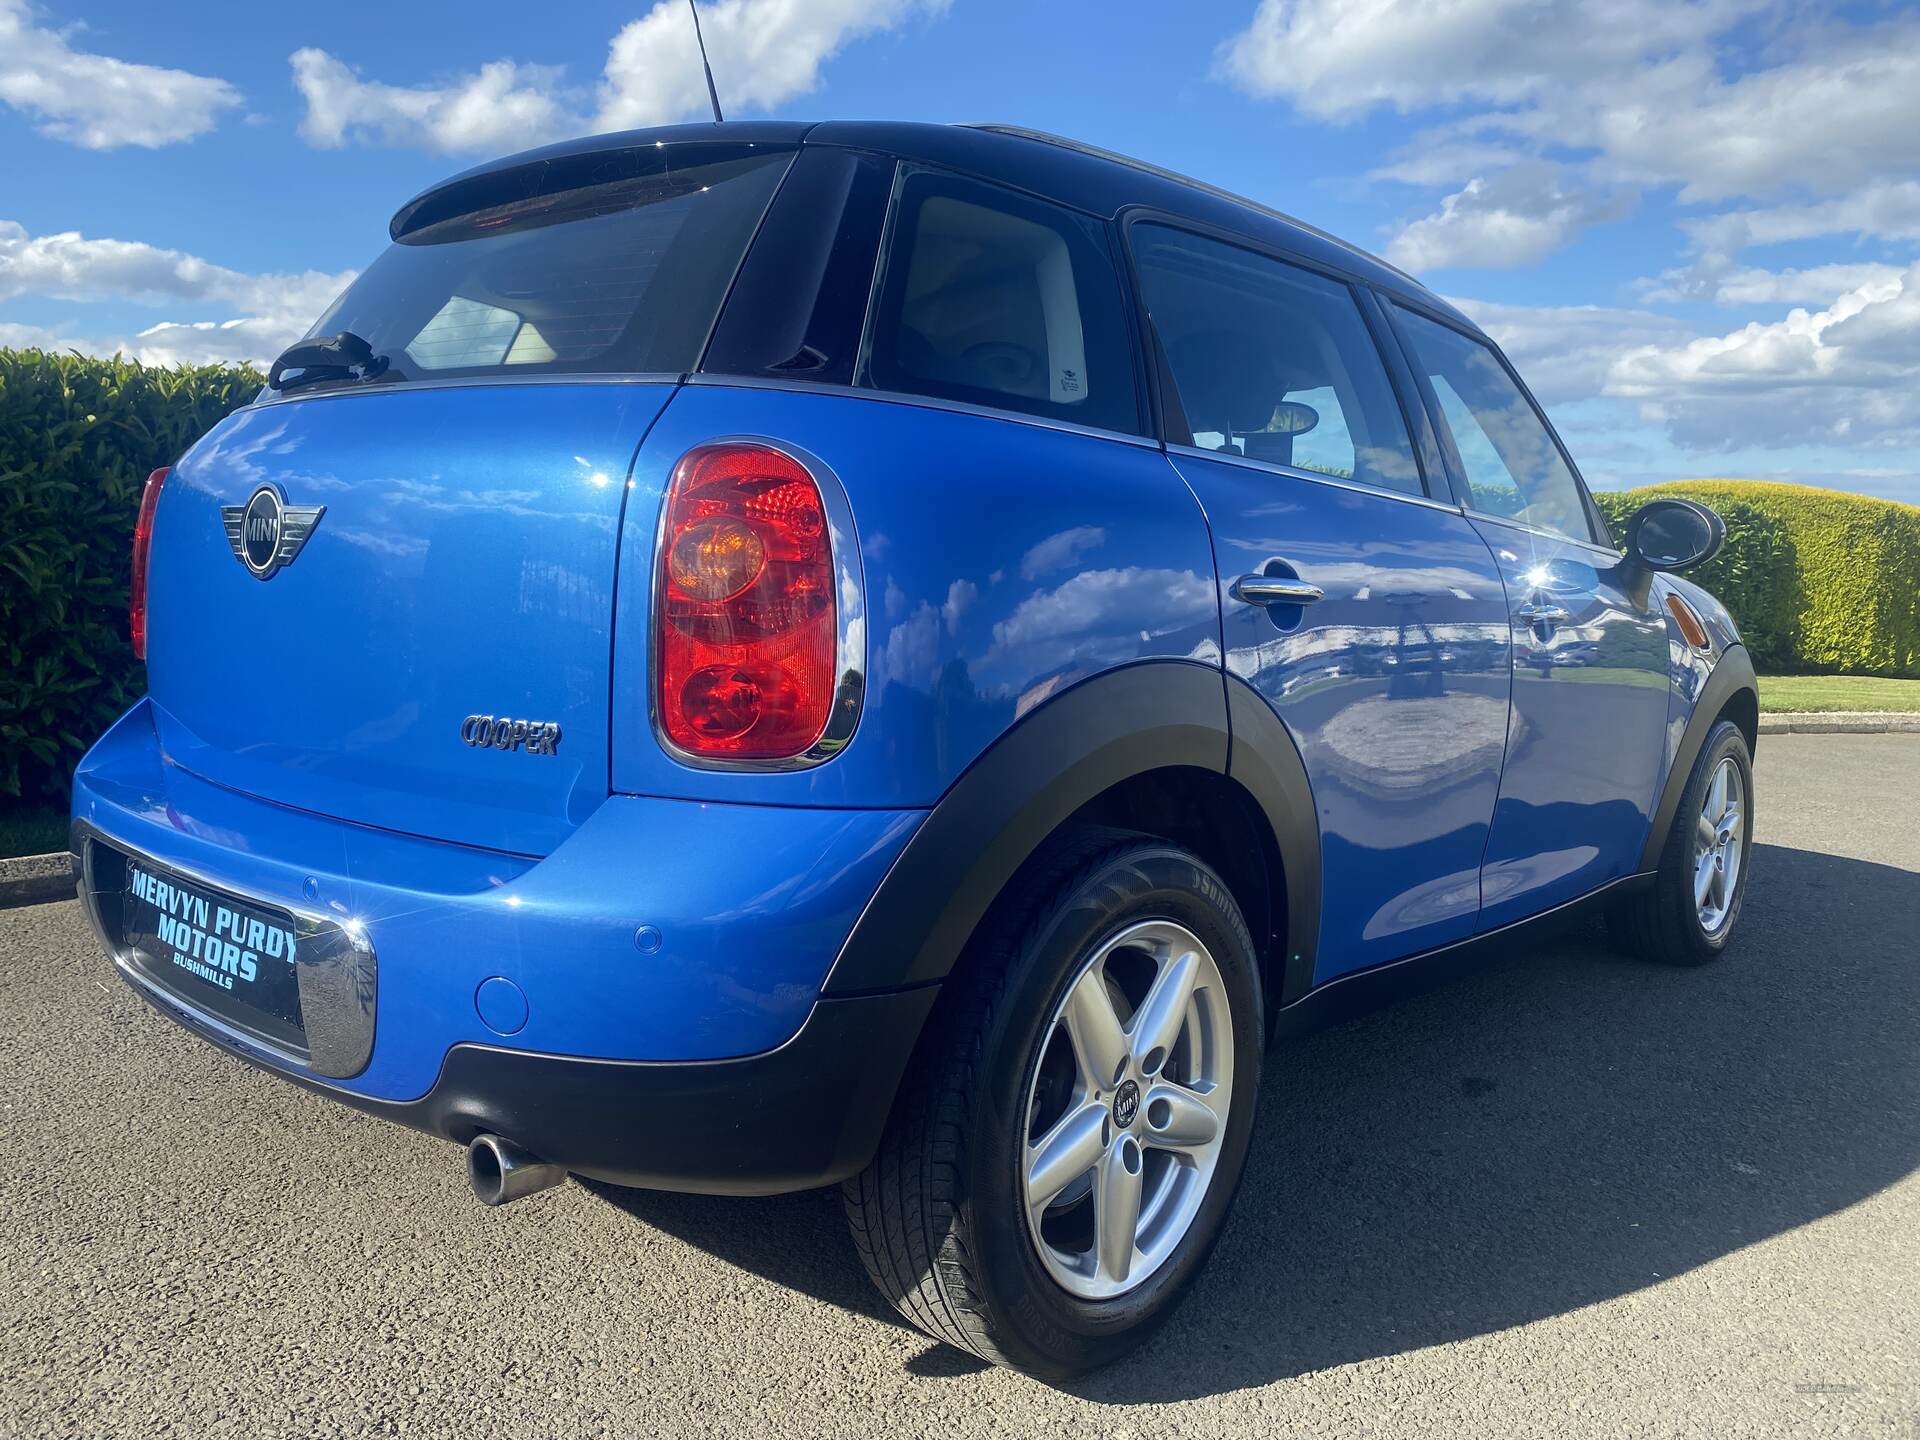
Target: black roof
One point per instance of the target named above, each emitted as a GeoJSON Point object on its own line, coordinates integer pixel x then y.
{"type": "Point", "coordinates": [1097, 181]}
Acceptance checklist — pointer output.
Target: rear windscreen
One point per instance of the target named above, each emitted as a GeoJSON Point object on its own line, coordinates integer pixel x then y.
{"type": "Point", "coordinates": [617, 267]}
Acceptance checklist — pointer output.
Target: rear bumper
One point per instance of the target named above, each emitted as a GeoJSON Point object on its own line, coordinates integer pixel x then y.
{"type": "Point", "coordinates": [809, 1113]}
{"type": "Point", "coordinates": [670, 956]}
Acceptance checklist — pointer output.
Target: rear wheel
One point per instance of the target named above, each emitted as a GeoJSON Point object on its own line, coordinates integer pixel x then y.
{"type": "Point", "coordinates": [1686, 917]}
{"type": "Point", "coordinates": [1068, 1147]}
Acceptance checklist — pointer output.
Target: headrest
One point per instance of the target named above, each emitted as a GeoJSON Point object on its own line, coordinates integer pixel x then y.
{"type": "Point", "coordinates": [1229, 379]}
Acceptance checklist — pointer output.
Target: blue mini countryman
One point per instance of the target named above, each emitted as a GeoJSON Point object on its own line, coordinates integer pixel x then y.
{"type": "Point", "coordinates": [755, 656]}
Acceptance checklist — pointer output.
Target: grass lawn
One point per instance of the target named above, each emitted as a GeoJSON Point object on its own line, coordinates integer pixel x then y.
{"type": "Point", "coordinates": [1837, 692]}
{"type": "Point", "coordinates": [32, 832]}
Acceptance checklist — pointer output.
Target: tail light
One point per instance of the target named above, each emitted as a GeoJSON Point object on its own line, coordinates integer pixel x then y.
{"type": "Point", "coordinates": [746, 607]}
{"type": "Point", "coordinates": [142, 543]}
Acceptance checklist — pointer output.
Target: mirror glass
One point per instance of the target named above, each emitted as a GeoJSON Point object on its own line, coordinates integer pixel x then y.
{"type": "Point", "coordinates": [1290, 417]}
{"type": "Point", "coordinates": [1671, 534]}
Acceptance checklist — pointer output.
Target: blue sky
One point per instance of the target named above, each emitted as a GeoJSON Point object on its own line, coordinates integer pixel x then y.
{"type": "Point", "coordinates": [1693, 223]}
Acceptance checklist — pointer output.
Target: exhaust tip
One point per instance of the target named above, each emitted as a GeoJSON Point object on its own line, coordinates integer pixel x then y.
{"type": "Point", "coordinates": [500, 1171]}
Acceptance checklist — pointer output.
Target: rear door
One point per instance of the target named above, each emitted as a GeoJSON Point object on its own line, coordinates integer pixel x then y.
{"type": "Point", "coordinates": [1367, 613]}
{"type": "Point", "coordinates": [434, 655]}
{"type": "Point", "coordinates": [1590, 682]}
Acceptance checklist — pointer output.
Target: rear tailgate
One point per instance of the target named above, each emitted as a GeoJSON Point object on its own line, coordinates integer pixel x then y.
{"type": "Point", "coordinates": [463, 565]}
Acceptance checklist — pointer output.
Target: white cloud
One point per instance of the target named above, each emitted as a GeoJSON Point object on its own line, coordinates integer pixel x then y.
{"type": "Point", "coordinates": [502, 106]}
{"type": "Point", "coordinates": [1565, 352]}
{"type": "Point", "coordinates": [764, 53]}
{"type": "Point", "coordinates": [1845, 375]}
{"type": "Point", "coordinates": [274, 309]}
{"type": "Point", "coordinates": [1518, 217]}
{"type": "Point", "coordinates": [1750, 286]}
{"type": "Point", "coordinates": [1337, 59]}
{"type": "Point", "coordinates": [203, 342]}
{"type": "Point", "coordinates": [1084, 606]}
{"type": "Point", "coordinates": [1839, 116]}
{"type": "Point", "coordinates": [1886, 209]}
{"type": "Point", "coordinates": [69, 266]}
{"type": "Point", "coordinates": [95, 101]}
{"type": "Point", "coordinates": [1061, 549]}
{"type": "Point", "coordinates": [1439, 162]}
{"type": "Point", "coordinates": [1639, 82]}
{"type": "Point", "coordinates": [1641, 92]}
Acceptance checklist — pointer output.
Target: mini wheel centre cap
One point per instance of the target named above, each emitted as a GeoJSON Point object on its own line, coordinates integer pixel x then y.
{"type": "Point", "coordinates": [1126, 1105]}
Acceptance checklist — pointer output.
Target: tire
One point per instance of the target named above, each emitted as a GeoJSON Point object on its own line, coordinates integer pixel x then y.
{"type": "Point", "coordinates": [1667, 922]}
{"type": "Point", "coordinates": [941, 1216]}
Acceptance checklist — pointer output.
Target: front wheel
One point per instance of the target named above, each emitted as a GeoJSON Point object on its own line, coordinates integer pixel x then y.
{"type": "Point", "coordinates": [1067, 1150]}
{"type": "Point", "coordinates": [1686, 916]}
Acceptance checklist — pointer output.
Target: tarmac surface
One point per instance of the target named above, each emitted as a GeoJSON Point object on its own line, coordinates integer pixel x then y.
{"type": "Point", "coordinates": [1571, 1195]}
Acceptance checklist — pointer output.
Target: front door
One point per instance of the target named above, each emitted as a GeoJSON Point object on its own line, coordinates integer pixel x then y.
{"type": "Point", "coordinates": [1585, 747]}
{"type": "Point", "coordinates": [1370, 617]}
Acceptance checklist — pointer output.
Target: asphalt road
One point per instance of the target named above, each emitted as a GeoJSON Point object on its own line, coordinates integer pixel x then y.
{"type": "Point", "coordinates": [1569, 1196]}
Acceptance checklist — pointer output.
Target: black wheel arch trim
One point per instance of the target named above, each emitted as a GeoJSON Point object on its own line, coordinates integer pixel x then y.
{"type": "Point", "coordinates": [1265, 760]}
{"type": "Point", "coordinates": [1733, 674]}
{"type": "Point", "coordinates": [1107, 729]}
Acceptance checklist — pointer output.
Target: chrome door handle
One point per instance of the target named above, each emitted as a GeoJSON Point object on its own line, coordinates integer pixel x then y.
{"type": "Point", "coordinates": [1274, 590]}
{"type": "Point", "coordinates": [1542, 614]}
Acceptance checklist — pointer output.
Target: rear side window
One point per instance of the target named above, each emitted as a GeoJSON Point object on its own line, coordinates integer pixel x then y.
{"type": "Point", "coordinates": [615, 263]}
{"type": "Point", "coordinates": [996, 299]}
{"type": "Point", "coordinates": [1273, 362]}
{"type": "Point", "coordinates": [1511, 464]}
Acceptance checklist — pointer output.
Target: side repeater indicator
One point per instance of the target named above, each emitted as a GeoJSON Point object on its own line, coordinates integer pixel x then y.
{"type": "Point", "coordinates": [1688, 622]}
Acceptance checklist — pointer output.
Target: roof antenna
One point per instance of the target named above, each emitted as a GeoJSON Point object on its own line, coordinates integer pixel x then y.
{"type": "Point", "coordinates": [712, 94]}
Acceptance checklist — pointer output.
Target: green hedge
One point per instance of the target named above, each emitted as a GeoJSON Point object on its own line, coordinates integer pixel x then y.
{"type": "Point", "coordinates": [1819, 580]}
{"type": "Point", "coordinates": [77, 438]}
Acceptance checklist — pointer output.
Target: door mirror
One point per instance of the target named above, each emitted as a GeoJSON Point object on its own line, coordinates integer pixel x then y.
{"type": "Point", "coordinates": [1674, 535]}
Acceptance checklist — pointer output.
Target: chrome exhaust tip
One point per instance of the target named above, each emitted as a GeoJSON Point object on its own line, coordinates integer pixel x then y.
{"type": "Point", "coordinates": [499, 1171]}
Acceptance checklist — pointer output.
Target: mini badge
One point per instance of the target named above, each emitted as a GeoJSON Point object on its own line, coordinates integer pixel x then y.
{"type": "Point", "coordinates": [266, 532]}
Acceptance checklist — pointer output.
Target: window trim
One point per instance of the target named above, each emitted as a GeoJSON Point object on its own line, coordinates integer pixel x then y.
{"type": "Point", "coordinates": [1161, 370]}
{"type": "Point", "coordinates": [916, 400]}
{"type": "Point", "coordinates": [804, 178]}
{"type": "Point", "coordinates": [1457, 472]}
{"type": "Point", "coordinates": [1316, 477]}
{"type": "Point", "coordinates": [905, 171]}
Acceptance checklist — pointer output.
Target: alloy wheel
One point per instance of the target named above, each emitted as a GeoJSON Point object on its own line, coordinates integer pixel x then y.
{"type": "Point", "coordinates": [1127, 1109]}
{"type": "Point", "coordinates": [1719, 840]}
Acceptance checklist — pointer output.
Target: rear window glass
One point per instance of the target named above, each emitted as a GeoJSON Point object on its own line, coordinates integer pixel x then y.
{"type": "Point", "coordinates": [996, 299]}
{"type": "Point", "coordinates": [617, 267]}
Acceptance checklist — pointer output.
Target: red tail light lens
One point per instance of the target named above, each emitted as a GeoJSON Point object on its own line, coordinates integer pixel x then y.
{"type": "Point", "coordinates": [745, 619]}
{"type": "Point", "coordinates": [142, 543]}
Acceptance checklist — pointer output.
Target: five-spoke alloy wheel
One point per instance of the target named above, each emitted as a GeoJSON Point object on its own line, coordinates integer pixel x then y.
{"type": "Point", "coordinates": [1719, 844]}
{"type": "Point", "coordinates": [1068, 1146]}
{"type": "Point", "coordinates": [1127, 1109]}
{"type": "Point", "coordinates": [1685, 912]}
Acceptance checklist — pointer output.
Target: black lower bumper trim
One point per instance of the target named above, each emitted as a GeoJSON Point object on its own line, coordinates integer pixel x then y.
{"type": "Point", "coordinates": [807, 1114]}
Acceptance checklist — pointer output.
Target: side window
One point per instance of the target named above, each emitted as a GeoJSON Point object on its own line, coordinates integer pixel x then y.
{"type": "Point", "coordinates": [996, 299]}
{"type": "Point", "coordinates": [1272, 361]}
{"type": "Point", "coordinates": [1512, 466]}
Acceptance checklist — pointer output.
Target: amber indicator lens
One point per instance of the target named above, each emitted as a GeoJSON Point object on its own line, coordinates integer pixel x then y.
{"type": "Point", "coordinates": [1689, 623]}
{"type": "Point", "coordinates": [717, 558]}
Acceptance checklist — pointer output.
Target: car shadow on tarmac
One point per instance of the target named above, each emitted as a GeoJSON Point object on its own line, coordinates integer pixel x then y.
{"type": "Point", "coordinates": [1562, 1128]}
